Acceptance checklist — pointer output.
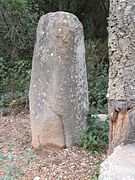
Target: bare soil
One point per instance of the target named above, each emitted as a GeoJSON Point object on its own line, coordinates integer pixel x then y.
{"type": "Point", "coordinates": [19, 160]}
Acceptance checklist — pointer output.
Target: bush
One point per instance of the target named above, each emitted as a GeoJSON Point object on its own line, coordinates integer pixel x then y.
{"type": "Point", "coordinates": [17, 35]}
{"type": "Point", "coordinates": [18, 23]}
{"type": "Point", "coordinates": [15, 78]}
{"type": "Point", "coordinates": [97, 74]}
{"type": "Point", "coordinates": [95, 136]}
{"type": "Point", "coordinates": [14, 83]}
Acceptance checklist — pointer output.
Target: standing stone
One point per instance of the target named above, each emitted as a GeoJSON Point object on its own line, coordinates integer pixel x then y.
{"type": "Point", "coordinates": [121, 72]}
{"type": "Point", "coordinates": [58, 88]}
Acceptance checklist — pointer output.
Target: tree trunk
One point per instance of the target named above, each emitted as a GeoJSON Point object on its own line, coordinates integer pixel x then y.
{"type": "Point", "coordinates": [121, 91]}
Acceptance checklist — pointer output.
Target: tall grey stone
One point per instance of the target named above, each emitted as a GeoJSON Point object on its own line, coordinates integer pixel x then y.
{"type": "Point", "coordinates": [58, 89]}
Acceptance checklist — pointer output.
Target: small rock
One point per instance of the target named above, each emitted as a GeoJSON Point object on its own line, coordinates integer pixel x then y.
{"type": "Point", "coordinates": [37, 178]}
{"type": "Point", "coordinates": [101, 117]}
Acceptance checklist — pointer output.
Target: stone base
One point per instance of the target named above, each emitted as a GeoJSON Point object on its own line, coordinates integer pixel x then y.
{"type": "Point", "coordinates": [120, 165]}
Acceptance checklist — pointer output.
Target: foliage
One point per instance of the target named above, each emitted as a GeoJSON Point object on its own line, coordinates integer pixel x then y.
{"type": "Point", "coordinates": [95, 177]}
{"type": "Point", "coordinates": [17, 24]}
{"type": "Point", "coordinates": [29, 156]}
{"type": "Point", "coordinates": [17, 29]}
{"type": "Point", "coordinates": [18, 21]}
{"type": "Point", "coordinates": [10, 167]}
{"type": "Point", "coordinates": [97, 73]}
{"type": "Point", "coordinates": [93, 13]}
{"type": "Point", "coordinates": [95, 137]}
{"type": "Point", "coordinates": [14, 83]}
{"type": "Point", "coordinates": [98, 172]}
{"type": "Point", "coordinates": [15, 79]}
{"type": "Point", "coordinates": [11, 171]}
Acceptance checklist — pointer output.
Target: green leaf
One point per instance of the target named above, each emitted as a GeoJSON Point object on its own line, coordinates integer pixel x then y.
{"type": "Point", "coordinates": [21, 172]}
{"type": "Point", "coordinates": [8, 178]}
{"type": "Point", "coordinates": [95, 178]}
{"type": "Point", "coordinates": [26, 161]}
{"type": "Point", "coordinates": [7, 169]}
{"type": "Point", "coordinates": [17, 170]}
{"type": "Point", "coordinates": [10, 157]}
{"type": "Point", "coordinates": [1, 157]}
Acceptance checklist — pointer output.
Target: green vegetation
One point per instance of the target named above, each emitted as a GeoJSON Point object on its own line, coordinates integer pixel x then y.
{"type": "Point", "coordinates": [18, 21]}
{"type": "Point", "coordinates": [13, 170]}
{"type": "Point", "coordinates": [97, 72]}
{"type": "Point", "coordinates": [14, 83]}
{"type": "Point", "coordinates": [95, 136]}
{"type": "Point", "coordinates": [17, 36]}
{"type": "Point", "coordinates": [15, 79]}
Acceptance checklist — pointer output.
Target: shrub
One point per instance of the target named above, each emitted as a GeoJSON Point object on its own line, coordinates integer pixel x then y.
{"type": "Point", "coordinates": [14, 83]}
{"type": "Point", "coordinates": [95, 136]}
{"type": "Point", "coordinates": [97, 73]}
{"type": "Point", "coordinates": [17, 36]}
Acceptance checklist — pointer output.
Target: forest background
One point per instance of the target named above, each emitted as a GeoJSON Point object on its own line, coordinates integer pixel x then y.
{"type": "Point", "coordinates": [18, 22]}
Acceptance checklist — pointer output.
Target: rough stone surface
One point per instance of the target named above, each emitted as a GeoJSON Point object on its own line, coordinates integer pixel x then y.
{"type": "Point", "coordinates": [120, 165]}
{"type": "Point", "coordinates": [121, 44]}
{"type": "Point", "coordinates": [121, 91]}
{"type": "Point", "coordinates": [122, 129]}
{"type": "Point", "coordinates": [58, 88]}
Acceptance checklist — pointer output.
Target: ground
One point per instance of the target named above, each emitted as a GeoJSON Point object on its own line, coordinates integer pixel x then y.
{"type": "Point", "coordinates": [19, 159]}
